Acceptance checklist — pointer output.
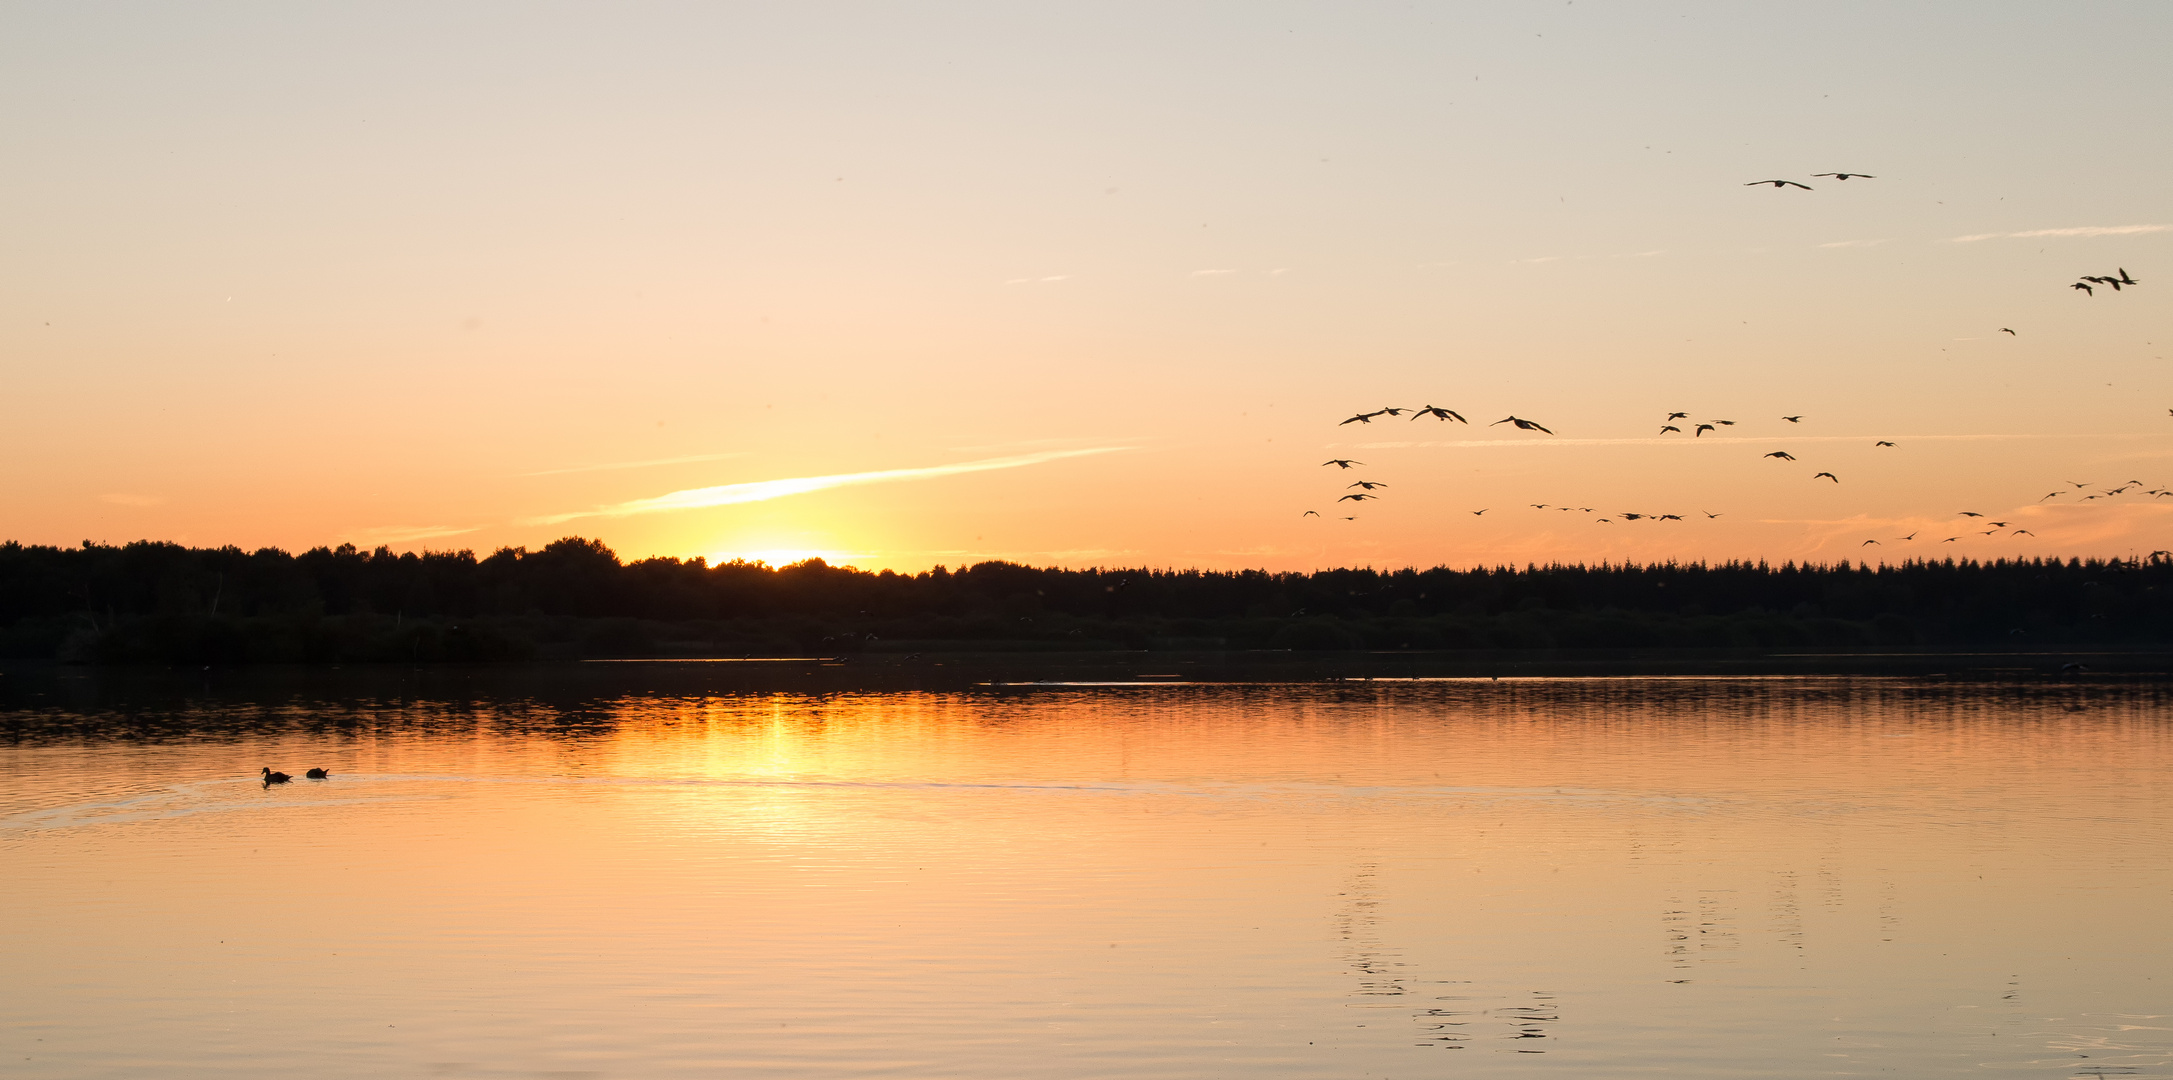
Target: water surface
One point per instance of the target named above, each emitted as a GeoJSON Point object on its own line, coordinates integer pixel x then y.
{"type": "Point", "coordinates": [1575, 878]}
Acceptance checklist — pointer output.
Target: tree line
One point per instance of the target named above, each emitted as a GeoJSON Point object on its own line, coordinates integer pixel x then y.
{"type": "Point", "coordinates": [163, 602]}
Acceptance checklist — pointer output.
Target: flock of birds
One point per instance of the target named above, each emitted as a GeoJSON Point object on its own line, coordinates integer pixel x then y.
{"type": "Point", "coordinates": [271, 777]}
{"type": "Point", "coordinates": [1365, 489]}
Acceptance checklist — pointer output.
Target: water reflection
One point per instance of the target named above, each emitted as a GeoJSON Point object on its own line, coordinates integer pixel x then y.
{"type": "Point", "coordinates": [1575, 878]}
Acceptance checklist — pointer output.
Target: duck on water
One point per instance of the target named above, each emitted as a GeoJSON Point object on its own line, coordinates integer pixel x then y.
{"type": "Point", "coordinates": [271, 777]}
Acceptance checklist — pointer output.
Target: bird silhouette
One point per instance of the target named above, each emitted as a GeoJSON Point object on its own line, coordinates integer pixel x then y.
{"type": "Point", "coordinates": [1665, 428]}
{"type": "Point", "coordinates": [1701, 429]}
{"type": "Point", "coordinates": [1779, 184]}
{"type": "Point", "coordinates": [1342, 463]}
{"type": "Point", "coordinates": [1476, 513]}
{"type": "Point", "coordinates": [1867, 543]}
{"type": "Point", "coordinates": [1709, 515]}
{"type": "Point", "coordinates": [1390, 411]}
{"type": "Point", "coordinates": [1357, 496]}
{"type": "Point", "coordinates": [1969, 513]}
{"type": "Point", "coordinates": [1827, 475]}
{"type": "Point", "coordinates": [1725, 423]}
{"type": "Point", "coordinates": [1783, 455]}
{"type": "Point", "coordinates": [1670, 517]}
{"type": "Point", "coordinates": [1369, 485]}
{"type": "Point", "coordinates": [1632, 517]}
{"type": "Point", "coordinates": [2114, 282]}
{"type": "Point", "coordinates": [1539, 506]}
{"type": "Point", "coordinates": [2083, 285]}
{"type": "Point", "coordinates": [1350, 519]}
{"type": "Point", "coordinates": [1911, 536]}
{"type": "Point", "coordinates": [1361, 418]}
{"type": "Point", "coordinates": [1444, 414]}
{"type": "Point", "coordinates": [2071, 483]}
{"type": "Point", "coordinates": [1793, 419]}
{"type": "Point", "coordinates": [1310, 513]}
{"type": "Point", "coordinates": [2022, 532]}
{"type": "Point", "coordinates": [1522, 424]}
{"type": "Point", "coordinates": [318, 774]}
{"type": "Point", "coordinates": [1880, 443]}
{"type": "Point", "coordinates": [1847, 175]}
{"type": "Point", "coordinates": [2052, 495]}
{"type": "Point", "coordinates": [2125, 279]}
{"type": "Point", "coordinates": [2001, 524]}
{"type": "Point", "coordinates": [271, 777]}
{"type": "Point", "coordinates": [1950, 539]}
{"type": "Point", "coordinates": [2008, 332]}
{"type": "Point", "coordinates": [1686, 416]}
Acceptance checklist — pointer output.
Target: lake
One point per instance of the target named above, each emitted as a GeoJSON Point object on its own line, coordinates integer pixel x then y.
{"type": "Point", "coordinates": [638, 874]}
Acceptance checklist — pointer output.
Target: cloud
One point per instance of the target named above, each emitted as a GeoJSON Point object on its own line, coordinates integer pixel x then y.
{"type": "Point", "coordinates": [762, 490]}
{"type": "Point", "coordinates": [634, 464]}
{"type": "Point", "coordinates": [401, 534]}
{"type": "Point", "coordinates": [2084, 230]}
{"type": "Point", "coordinates": [120, 498]}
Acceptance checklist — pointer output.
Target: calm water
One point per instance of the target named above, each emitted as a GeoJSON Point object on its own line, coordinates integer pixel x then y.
{"type": "Point", "coordinates": [1575, 878]}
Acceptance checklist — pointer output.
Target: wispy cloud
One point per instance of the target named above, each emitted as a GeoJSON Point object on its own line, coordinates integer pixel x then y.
{"type": "Point", "coordinates": [2082, 230]}
{"type": "Point", "coordinates": [401, 534]}
{"type": "Point", "coordinates": [762, 490]}
{"type": "Point", "coordinates": [633, 464]}
{"type": "Point", "coordinates": [1853, 243]}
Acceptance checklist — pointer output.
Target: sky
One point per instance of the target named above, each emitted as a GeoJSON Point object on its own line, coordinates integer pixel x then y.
{"type": "Point", "coordinates": [1088, 284]}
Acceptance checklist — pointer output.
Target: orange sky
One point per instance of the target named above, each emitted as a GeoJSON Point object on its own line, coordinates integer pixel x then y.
{"type": "Point", "coordinates": [1085, 285]}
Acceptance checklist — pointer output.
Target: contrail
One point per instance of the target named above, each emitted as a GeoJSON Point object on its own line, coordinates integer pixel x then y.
{"type": "Point", "coordinates": [761, 490]}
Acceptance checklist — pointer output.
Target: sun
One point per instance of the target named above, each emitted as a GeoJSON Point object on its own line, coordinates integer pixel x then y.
{"type": "Point", "coordinates": [782, 556]}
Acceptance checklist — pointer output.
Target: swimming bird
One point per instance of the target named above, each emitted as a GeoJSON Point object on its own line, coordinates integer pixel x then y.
{"type": "Point", "coordinates": [1369, 485]}
{"type": "Point", "coordinates": [1522, 424]}
{"type": "Point", "coordinates": [1361, 418]}
{"type": "Point", "coordinates": [1880, 443]}
{"type": "Point", "coordinates": [2008, 332]}
{"type": "Point", "coordinates": [1793, 419]}
{"type": "Point", "coordinates": [1827, 475]}
{"type": "Point", "coordinates": [1783, 455]}
{"type": "Point", "coordinates": [2083, 285]}
{"type": "Point", "coordinates": [1357, 496]}
{"type": "Point", "coordinates": [318, 774]}
{"type": "Point", "coordinates": [1701, 429]}
{"type": "Point", "coordinates": [1779, 184]}
{"type": "Point", "coordinates": [271, 777]}
{"type": "Point", "coordinates": [1665, 428]}
{"type": "Point", "coordinates": [1341, 463]}
{"type": "Point", "coordinates": [1444, 414]}
{"type": "Point", "coordinates": [1847, 175]}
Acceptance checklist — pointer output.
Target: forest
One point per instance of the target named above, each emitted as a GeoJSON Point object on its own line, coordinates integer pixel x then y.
{"type": "Point", "coordinates": [153, 602]}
